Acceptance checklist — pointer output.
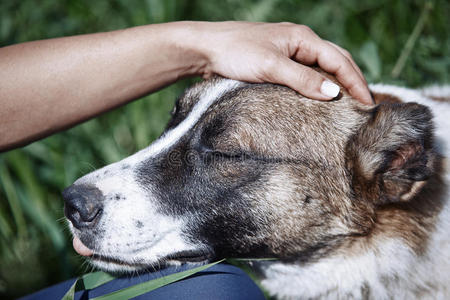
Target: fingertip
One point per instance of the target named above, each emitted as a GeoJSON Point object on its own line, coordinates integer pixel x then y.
{"type": "Point", "coordinates": [329, 89]}
{"type": "Point", "coordinates": [367, 98]}
{"type": "Point", "coordinates": [363, 96]}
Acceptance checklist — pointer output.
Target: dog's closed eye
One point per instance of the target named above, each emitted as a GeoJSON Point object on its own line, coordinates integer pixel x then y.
{"type": "Point", "coordinates": [218, 154]}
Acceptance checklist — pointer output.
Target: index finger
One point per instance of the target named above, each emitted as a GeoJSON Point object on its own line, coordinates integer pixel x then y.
{"type": "Point", "coordinates": [312, 49]}
{"type": "Point", "coordinates": [333, 61]}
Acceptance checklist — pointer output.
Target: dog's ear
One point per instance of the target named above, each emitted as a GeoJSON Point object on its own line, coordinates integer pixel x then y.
{"type": "Point", "coordinates": [391, 156]}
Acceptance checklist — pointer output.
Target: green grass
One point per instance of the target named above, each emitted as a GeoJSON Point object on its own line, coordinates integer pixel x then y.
{"type": "Point", "coordinates": [35, 248]}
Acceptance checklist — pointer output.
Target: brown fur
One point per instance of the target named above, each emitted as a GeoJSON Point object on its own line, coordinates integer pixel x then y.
{"type": "Point", "coordinates": [313, 168]}
{"type": "Point", "coordinates": [440, 99]}
{"type": "Point", "coordinates": [379, 98]}
{"type": "Point", "coordinates": [409, 221]}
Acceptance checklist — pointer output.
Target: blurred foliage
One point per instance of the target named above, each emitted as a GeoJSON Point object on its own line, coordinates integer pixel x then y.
{"type": "Point", "coordinates": [35, 247]}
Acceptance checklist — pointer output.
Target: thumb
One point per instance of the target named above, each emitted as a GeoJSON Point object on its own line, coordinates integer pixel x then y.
{"type": "Point", "coordinates": [304, 80]}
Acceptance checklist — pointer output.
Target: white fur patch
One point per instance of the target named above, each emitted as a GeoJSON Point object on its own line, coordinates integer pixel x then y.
{"type": "Point", "coordinates": [437, 91]}
{"type": "Point", "coordinates": [339, 277]}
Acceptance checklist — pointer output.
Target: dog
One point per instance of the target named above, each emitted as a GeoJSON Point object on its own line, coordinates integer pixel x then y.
{"type": "Point", "coordinates": [351, 200]}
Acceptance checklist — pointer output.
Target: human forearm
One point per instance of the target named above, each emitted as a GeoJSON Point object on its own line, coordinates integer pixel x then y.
{"type": "Point", "coordinates": [49, 85]}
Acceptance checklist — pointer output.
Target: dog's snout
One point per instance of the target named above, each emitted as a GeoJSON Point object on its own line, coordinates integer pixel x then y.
{"type": "Point", "coordinates": [83, 205]}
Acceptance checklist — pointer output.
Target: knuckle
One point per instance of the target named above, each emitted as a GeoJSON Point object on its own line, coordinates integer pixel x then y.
{"type": "Point", "coordinates": [305, 29]}
{"type": "Point", "coordinates": [307, 79]}
{"type": "Point", "coordinates": [298, 29]}
{"type": "Point", "coordinates": [344, 65]}
{"type": "Point", "coordinates": [287, 24]}
{"type": "Point", "coordinates": [288, 28]}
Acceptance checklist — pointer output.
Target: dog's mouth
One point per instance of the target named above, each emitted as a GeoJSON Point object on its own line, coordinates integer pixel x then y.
{"type": "Point", "coordinates": [185, 256]}
{"type": "Point", "coordinates": [182, 256]}
{"type": "Point", "coordinates": [189, 256]}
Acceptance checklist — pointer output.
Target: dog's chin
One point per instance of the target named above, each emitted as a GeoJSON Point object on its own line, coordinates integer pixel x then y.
{"type": "Point", "coordinates": [118, 265]}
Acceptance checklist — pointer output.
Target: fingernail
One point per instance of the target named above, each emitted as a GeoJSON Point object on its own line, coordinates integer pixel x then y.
{"type": "Point", "coordinates": [329, 89]}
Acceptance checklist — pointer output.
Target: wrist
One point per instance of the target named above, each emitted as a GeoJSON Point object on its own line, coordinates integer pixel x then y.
{"type": "Point", "coordinates": [188, 41]}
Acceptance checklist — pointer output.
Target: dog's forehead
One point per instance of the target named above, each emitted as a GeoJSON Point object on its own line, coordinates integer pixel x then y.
{"type": "Point", "coordinates": [272, 120]}
{"type": "Point", "coordinates": [193, 94]}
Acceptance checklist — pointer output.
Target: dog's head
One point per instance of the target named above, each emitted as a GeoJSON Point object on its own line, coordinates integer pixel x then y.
{"type": "Point", "coordinates": [251, 170]}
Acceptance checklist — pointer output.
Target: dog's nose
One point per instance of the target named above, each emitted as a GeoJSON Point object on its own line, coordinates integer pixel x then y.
{"type": "Point", "coordinates": [83, 205]}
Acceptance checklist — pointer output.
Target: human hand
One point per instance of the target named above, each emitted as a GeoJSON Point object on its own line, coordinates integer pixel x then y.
{"type": "Point", "coordinates": [280, 53]}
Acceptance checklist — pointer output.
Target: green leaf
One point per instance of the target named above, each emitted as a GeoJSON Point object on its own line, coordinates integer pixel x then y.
{"type": "Point", "coordinates": [148, 286]}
